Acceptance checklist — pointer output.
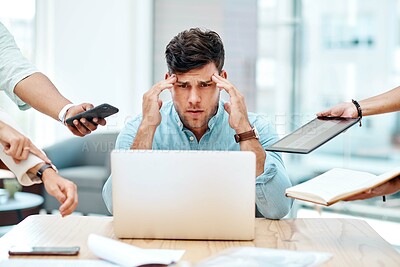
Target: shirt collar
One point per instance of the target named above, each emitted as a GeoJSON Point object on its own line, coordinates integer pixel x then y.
{"type": "Point", "coordinates": [217, 117]}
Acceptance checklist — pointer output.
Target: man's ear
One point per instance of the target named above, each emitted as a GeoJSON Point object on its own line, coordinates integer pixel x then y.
{"type": "Point", "coordinates": [167, 75]}
{"type": "Point", "coordinates": [224, 74]}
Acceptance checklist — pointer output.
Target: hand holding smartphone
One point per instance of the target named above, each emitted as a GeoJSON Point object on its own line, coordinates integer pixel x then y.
{"type": "Point", "coordinates": [44, 251]}
{"type": "Point", "coordinates": [102, 111]}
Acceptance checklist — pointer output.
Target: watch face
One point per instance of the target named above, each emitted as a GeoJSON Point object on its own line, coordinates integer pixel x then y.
{"type": "Point", "coordinates": [237, 138]}
{"type": "Point", "coordinates": [256, 132]}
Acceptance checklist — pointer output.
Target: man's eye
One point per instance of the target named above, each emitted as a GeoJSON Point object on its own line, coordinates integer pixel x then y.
{"type": "Point", "coordinates": [205, 84]}
{"type": "Point", "coordinates": [183, 85]}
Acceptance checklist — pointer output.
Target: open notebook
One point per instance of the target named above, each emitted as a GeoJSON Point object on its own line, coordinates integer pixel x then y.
{"type": "Point", "coordinates": [338, 184]}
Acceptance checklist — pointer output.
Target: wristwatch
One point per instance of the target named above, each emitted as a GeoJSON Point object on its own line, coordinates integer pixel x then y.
{"type": "Point", "coordinates": [42, 169]}
{"type": "Point", "coordinates": [247, 135]}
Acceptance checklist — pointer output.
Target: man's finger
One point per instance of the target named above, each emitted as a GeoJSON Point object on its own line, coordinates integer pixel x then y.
{"type": "Point", "coordinates": [227, 107]}
{"type": "Point", "coordinates": [71, 202]}
{"type": "Point", "coordinates": [164, 84]}
{"type": "Point", "coordinates": [88, 125]}
{"type": "Point", "coordinates": [323, 113]}
{"type": "Point", "coordinates": [36, 151]}
{"type": "Point", "coordinates": [74, 131]}
{"type": "Point", "coordinates": [86, 106]}
{"type": "Point", "coordinates": [161, 87]}
{"type": "Point", "coordinates": [83, 130]}
{"type": "Point", "coordinates": [20, 144]}
{"type": "Point", "coordinates": [57, 194]}
{"type": "Point", "coordinates": [100, 121]}
{"type": "Point", "coordinates": [11, 150]}
{"type": "Point", "coordinates": [25, 152]}
{"type": "Point", "coordinates": [224, 84]}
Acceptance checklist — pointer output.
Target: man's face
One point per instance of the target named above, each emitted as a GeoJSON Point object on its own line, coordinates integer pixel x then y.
{"type": "Point", "coordinates": [195, 97]}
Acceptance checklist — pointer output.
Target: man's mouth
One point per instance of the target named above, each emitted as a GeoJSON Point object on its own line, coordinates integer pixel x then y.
{"type": "Point", "coordinates": [194, 112]}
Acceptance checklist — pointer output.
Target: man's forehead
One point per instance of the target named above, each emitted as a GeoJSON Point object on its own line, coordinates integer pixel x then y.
{"type": "Point", "coordinates": [193, 77]}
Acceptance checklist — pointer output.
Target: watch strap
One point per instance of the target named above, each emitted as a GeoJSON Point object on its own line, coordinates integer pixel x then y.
{"type": "Point", "coordinates": [63, 112]}
{"type": "Point", "coordinates": [246, 135]}
{"type": "Point", "coordinates": [39, 173]}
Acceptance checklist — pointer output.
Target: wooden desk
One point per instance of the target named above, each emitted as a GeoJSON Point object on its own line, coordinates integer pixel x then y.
{"type": "Point", "coordinates": [351, 242]}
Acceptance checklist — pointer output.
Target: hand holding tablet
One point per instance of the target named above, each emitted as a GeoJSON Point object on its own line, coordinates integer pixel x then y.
{"type": "Point", "coordinates": [312, 135]}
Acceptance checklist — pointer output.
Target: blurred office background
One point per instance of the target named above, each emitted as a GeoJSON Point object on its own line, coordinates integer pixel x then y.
{"type": "Point", "coordinates": [291, 59]}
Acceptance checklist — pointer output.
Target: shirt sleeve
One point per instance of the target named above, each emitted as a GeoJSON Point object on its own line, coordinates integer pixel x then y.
{"type": "Point", "coordinates": [14, 67]}
{"type": "Point", "coordinates": [271, 184]}
{"type": "Point", "coordinates": [124, 142]}
{"type": "Point", "coordinates": [21, 169]}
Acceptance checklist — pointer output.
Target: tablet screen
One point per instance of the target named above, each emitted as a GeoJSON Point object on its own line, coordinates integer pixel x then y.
{"type": "Point", "coordinates": [312, 135]}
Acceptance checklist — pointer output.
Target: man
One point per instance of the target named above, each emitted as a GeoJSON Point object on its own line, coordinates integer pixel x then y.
{"type": "Point", "coordinates": [27, 87]}
{"type": "Point", "coordinates": [196, 119]}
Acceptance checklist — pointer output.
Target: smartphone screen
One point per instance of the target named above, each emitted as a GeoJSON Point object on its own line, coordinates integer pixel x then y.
{"type": "Point", "coordinates": [66, 251]}
{"type": "Point", "coordinates": [102, 111]}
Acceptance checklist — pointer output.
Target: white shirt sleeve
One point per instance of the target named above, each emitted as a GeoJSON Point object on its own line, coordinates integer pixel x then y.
{"type": "Point", "coordinates": [21, 169]}
{"type": "Point", "coordinates": [14, 67]}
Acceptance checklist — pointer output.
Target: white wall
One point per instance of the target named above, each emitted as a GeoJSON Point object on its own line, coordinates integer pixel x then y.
{"type": "Point", "coordinates": [95, 51]}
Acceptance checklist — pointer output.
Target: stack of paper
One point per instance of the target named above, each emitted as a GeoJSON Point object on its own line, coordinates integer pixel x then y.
{"type": "Point", "coordinates": [115, 253]}
{"type": "Point", "coordinates": [127, 255]}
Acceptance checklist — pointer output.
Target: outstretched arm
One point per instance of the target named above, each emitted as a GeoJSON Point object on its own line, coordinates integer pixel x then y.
{"type": "Point", "coordinates": [40, 93]}
{"type": "Point", "coordinates": [383, 103]}
{"type": "Point", "coordinates": [22, 81]}
{"type": "Point", "coordinates": [390, 187]}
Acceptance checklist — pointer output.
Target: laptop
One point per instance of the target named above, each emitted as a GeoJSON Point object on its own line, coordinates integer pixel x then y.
{"type": "Point", "coordinates": [207, 195]}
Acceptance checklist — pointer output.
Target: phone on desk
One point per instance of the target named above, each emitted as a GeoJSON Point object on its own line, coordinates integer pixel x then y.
{"type": "Point", "coordinates": [102, 111]}
{"type": "Point", "coordinates": [40, 251]}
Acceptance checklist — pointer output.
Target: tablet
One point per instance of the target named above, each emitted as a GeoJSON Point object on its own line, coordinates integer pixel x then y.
{"type": "Point", "coordinates": [312, 135]}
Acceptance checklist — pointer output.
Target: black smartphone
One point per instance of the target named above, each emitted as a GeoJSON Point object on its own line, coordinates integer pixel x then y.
{"type": "Point", "coordinates": [102, 111]}
{"type": "Point", "coordinates": [39, 251]}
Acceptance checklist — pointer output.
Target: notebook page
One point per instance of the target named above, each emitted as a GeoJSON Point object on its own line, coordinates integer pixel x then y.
{"type": "Point", "coordinates": [332, 183]}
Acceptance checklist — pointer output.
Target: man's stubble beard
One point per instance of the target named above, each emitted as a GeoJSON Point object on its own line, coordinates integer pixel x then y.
{"type": "Point", "coordinates": [193, 124]}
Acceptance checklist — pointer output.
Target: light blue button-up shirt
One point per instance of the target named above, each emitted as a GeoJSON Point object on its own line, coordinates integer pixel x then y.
{"type": "Point", "coordinates": [171, 134]}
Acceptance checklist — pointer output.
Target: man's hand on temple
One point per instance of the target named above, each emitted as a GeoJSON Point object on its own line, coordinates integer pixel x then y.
{"type": "Point", "coordinates": [152, 103]}
{"type": "Point", "coordinates": [236, 108]}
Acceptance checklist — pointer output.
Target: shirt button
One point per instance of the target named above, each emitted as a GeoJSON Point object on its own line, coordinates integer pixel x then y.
{"type": "Point", "coordinates": [179, 124]}
{"type": "Point", "coordinates": [191, 138]}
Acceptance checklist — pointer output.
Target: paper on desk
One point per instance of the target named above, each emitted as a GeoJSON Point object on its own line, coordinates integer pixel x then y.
{"type": "Point", "coordinates": [127, 255]}
{"type": "Point", "coordinates": [54, 263]}
{"type": "Point", "coordinates": [264, 257]}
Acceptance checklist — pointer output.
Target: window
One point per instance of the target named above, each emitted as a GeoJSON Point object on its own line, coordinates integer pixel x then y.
{"type": "Point", "coordinates": [18, 16]}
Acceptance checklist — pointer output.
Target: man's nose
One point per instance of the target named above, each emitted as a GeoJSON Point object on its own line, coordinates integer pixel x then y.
{"type": "Point", "coordinates": [194, 96]}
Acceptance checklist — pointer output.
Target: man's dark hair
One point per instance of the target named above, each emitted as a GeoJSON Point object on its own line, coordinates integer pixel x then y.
{"type": "Point", "coordinates": [193, 49]}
